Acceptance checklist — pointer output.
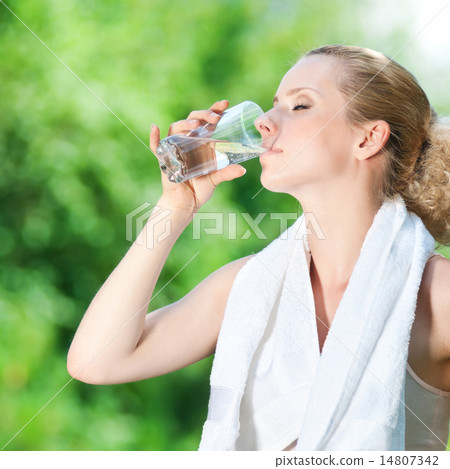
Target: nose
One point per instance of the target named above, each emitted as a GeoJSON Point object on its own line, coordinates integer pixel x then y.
{"type": "Point", "coordinates": [265, 125]}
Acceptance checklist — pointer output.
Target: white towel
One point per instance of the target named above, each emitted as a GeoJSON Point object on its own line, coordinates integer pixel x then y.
{"type": "Point", "coordinates": [269, 382]}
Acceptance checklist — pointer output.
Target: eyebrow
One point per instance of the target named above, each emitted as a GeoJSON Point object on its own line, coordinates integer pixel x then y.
{"type": "Point", "coordinates": [294, 91]}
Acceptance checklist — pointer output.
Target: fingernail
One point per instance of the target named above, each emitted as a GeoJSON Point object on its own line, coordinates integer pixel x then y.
{"type": "Point", "coordinates": [214, 114]}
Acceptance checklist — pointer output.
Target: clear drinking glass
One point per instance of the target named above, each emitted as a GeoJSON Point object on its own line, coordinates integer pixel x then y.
{"type": "Point", "coordinates": [233, 139]}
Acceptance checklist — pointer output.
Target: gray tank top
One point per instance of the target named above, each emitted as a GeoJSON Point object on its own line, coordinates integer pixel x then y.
{"type": "Point", "coordinates": [427, 415]}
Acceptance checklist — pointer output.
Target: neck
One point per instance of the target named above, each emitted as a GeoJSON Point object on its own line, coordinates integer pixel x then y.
{"type": "Point", "coordinates": [335, 235]}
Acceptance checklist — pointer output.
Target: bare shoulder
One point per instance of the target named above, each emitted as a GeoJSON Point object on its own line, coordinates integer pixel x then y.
{"type": "Point", "coordinates": [435, 286]}
{"type": "Point", "coordinates": [229, 271]}
{"type": "Point", "coordinates": [208, 299]}
{"type": "Point", "coordinates": [214, 290]}
{"type": "Point", "coordinates": [218, 284]}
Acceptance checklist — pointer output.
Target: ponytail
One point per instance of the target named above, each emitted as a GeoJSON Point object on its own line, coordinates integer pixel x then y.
{"type": "Point", "coordinates": [427, 193]}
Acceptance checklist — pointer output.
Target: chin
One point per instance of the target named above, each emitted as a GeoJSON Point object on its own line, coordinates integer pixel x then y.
{"type": "Point", "coordinates": [288, 179]}
{"type": "Point", "coordinates": [274, 182]}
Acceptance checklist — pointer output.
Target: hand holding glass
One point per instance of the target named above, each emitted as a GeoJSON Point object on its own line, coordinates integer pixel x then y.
{"type": "Point", "coordinates": [233, 140]}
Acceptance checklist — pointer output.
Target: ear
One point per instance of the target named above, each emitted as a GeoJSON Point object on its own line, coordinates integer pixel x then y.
{"type": "Point", "coordinates": [372, 138]}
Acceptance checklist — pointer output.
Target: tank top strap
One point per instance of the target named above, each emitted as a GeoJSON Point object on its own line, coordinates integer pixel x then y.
{"type": "Point", "coordinates": [425, 385]}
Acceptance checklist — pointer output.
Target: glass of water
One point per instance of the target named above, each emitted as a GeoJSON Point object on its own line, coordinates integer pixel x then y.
{"type": "Point", "coordinates": [233, 139]}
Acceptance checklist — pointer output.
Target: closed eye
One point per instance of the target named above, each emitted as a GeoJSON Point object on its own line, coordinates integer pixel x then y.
{"type": "Point", "coordinates": [299, 107]}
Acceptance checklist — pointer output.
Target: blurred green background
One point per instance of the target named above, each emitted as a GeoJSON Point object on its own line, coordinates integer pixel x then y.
{"type": "Point", "coordinates": [70, 171]}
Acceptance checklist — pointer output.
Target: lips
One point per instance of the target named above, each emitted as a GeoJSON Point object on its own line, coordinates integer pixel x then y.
{"type": "Point", "coordinates": [270, 149]}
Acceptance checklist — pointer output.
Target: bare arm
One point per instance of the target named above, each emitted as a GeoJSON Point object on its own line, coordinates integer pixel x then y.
{"type": "Point", "coordinates": [437, 281]}
{"type": "Point", "coordinates": [430, 343]}
{"type": "Point", "coordinates": [116, 341]}
{"type": "Point", "coordinates": [182, 333]}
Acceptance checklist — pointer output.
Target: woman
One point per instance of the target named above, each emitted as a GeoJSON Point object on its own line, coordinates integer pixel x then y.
{"type": "Point", "coordinates": [348, 130]}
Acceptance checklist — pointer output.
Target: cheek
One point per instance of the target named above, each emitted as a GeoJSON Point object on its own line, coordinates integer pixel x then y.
{"type": "Point", "coordinates": [319, 160]}
{"type": "Point", "coordinates": [325, 145]}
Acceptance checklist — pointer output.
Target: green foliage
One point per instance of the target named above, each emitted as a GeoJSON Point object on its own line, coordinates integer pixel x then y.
{"type": "Point", "coordinates": [71, 169]}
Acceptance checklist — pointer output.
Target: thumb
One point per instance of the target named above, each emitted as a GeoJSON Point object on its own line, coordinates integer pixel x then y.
{"type": "Point", "coordinates": [229, 173]}
{"type": "Point", "coordinates": [154, 138]}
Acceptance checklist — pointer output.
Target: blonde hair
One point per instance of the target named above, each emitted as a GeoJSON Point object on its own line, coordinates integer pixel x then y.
{"type": "Point", "coordinates": [417, 153]}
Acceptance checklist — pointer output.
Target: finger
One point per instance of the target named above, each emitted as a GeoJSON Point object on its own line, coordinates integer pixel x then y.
{"type": "Point", "coordinates": [216, 109]}
{"type": "Point", "coordinates": [219, 106]}
{"type": "Point", "coordinates": [229, 173]}
{"type": "Point", "coordinates": [205, 116]}
{"type": "Point", "coordinates": [197, 118]}
{"type": "Point", "coordinates": [154, 138]}
{"type": "Point", "coordinates": [183, 126]}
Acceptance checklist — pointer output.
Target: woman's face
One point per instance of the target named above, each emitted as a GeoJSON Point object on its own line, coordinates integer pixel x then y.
{"type": "Point", "coordinates": [309, 139]}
